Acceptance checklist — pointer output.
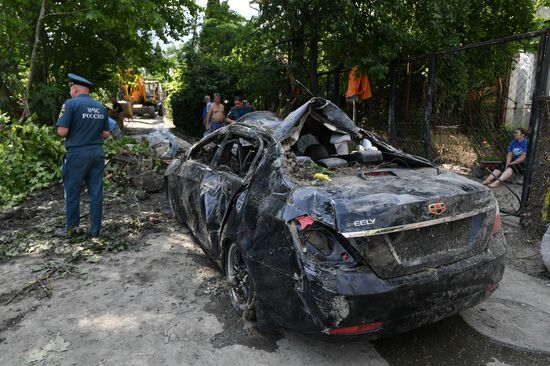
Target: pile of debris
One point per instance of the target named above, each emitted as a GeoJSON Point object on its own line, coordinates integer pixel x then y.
{"type": "Point", "coordinates": [305, 171]}
{"type": "Point", "coordinates": [165, 144]}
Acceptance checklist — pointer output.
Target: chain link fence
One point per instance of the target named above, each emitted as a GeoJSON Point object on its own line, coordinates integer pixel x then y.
{"type": "Point", "coordinates": [479, 96]}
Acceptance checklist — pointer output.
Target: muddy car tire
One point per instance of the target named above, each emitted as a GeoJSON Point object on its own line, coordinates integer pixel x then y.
{"type": "Point", "coordinates": [241, 291]}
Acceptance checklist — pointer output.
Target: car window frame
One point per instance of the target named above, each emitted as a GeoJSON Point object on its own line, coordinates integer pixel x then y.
{"type": "Point", "coordinates": [217, 156]}
{"type": "Point", "coordinates": [208, 139]}
{"type": "Point", "coordinates": [235, 135]}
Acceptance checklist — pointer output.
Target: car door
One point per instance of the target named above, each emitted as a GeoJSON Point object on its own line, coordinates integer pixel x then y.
{"type": "Point", "coordinates": [190, 177]}
{"type": "Point", "coordinates": [228, 177]}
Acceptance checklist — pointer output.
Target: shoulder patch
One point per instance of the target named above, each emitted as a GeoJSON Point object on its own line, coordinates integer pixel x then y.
{"type": "Point", "coordinates": [62, 112]}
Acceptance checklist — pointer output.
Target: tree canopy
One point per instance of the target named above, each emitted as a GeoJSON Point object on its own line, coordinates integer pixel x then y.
{"type": "Point", "coordinates": [372, 33]}
{"type": "Point", "coordinates": [296, 39]}
{"type": "Point", "coordinates": [260, 58]}
{"type": "Point", "coordinates": [43, 40]}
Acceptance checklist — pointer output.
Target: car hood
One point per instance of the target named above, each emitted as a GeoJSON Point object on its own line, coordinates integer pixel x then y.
{"type": "Point", "coordinates": [398, 197]}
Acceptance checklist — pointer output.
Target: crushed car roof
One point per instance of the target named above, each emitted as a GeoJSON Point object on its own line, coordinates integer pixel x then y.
{"type": "Point", "coordinates": [287, 131]}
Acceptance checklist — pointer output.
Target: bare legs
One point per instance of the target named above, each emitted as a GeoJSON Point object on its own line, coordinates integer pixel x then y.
{"type": "Point", "coordinates": [497, 177]}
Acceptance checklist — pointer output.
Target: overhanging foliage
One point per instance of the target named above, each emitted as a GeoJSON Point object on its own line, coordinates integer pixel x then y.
{"type": "Point", "coordinates": [92, 38]}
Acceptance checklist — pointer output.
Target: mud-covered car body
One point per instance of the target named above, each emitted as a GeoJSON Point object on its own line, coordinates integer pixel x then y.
{"type": "Point", "coordinates": [383, 247]}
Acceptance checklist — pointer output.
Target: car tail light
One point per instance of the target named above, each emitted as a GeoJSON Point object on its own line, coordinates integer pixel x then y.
{"type": "Point", "coordinates": [356, 329]}
{"type": "Point", "coordinates": [321, 241]}
{"type": "Point", "coordinates": [305, 221]}
{"type": "Point", "coordinates": [497, 226]}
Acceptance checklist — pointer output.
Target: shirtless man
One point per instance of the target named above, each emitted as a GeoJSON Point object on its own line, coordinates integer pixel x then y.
{"type": "Point", "coordinates": [215, 118]}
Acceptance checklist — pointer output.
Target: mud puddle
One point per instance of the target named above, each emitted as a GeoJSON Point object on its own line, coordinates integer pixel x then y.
{"type": "Point", "coordinates": [236, 330]}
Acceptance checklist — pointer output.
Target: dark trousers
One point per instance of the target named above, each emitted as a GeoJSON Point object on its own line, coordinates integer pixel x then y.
{"type": "Point", "coordinates": [78, 167]}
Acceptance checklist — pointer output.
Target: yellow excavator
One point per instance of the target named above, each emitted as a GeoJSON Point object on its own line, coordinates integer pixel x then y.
{"type": "Point", "coordinates": [144, 95]}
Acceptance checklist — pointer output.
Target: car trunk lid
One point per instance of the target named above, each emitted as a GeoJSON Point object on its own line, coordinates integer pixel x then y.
{"type": "Point", "coordinates": [403, 223]}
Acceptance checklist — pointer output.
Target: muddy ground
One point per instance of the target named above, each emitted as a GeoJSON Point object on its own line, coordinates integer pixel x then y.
{"type": "Point", "coordinates": [144, 294]}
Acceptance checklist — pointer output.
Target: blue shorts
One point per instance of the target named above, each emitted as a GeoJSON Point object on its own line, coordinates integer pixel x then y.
{"type": "Point", "coordinates": [215, 126]}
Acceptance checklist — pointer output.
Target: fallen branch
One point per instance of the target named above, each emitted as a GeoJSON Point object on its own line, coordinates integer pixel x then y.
{"type": "Point", "coordinates": [19, 292]}
{"type": "Point", "coordinates": [40, 280]}
{"type": "Point", "coordinates": [45, 288]}
{"type": "Point", "coordinates": [31, 285]}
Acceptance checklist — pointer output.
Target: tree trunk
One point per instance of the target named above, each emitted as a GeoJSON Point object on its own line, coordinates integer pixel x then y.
{"type": "Point", "coordinates": [313, 57]}
{"type": "Point", "coordinates": [297, 52]}
{"type": "Point", "coordinates": [34, 66]}
{"type": "Point", "coordinates": [194, 37]}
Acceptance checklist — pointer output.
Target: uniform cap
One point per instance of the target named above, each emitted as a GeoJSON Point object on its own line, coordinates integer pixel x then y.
{"type": "Point", "coordinates": [79, 80]}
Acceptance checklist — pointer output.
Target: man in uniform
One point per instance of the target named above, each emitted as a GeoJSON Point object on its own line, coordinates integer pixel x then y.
{"type": "Point", "coordinates": [84, 123]}
{"type": "Point", "coordinates": [239, 110]}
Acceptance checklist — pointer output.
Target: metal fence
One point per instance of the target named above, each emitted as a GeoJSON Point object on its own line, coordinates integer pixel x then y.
{"type": "Point", "coordinates": [461, 106]}
{"type": "Point", "coordinates": [458, 106]}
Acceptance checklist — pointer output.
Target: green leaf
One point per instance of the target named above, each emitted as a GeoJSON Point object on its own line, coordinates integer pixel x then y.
{"type": "Point", "coordinates": [36, 355]}
{"type": "Point", "coordinates": [57, 344]}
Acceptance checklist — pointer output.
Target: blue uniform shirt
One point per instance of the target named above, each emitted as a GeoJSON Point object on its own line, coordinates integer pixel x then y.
{"type": "Point", "coordinates": [114, 129]}
{"type": "Point", "coordinates": [517, 148]}
{"type": "Point", "coordinates": [86, 119]}
{"type": "Point", "coordinates": [236, 113]}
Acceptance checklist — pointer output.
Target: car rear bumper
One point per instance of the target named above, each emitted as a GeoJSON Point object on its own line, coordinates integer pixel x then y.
{"type": "Point", "coordinates": [344, 299]}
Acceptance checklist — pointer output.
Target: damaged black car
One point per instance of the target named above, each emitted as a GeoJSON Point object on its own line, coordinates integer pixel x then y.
{"type": "Point", "coordinates": [323, 228]}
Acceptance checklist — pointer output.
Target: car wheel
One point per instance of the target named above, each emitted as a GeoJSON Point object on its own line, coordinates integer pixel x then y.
{"type": "Point", "coordinates": [241, 292]}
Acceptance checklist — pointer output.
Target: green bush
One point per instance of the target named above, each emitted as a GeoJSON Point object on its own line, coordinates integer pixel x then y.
{"type": "Point", "coordinates": [125, 144]}
{"type": "Point", "coordinates": [186, 110]}
{"type": "Point", "coordinates": [31, 157]}
{"type": "Point", "coordinates": [46, 101]}
{"type": "Point", "coordinates": [204, 75]}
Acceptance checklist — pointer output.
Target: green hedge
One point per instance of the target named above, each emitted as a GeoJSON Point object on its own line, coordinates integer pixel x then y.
{"type": "Point", "coordinates": [203, 76]}
{"type": "Point", "coordinates": [187, 112]}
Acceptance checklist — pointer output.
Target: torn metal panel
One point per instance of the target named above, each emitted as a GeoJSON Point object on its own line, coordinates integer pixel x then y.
{"type": "Point", "coordinates": [385, 244]}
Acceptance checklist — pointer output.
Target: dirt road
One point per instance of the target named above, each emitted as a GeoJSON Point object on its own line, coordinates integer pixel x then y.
{"type": "Point", "coordinates": [157, 306]}
{"type": "Point", "coordinates": [165, 305]}
{"type": "Point", "coordinates": [160, 301]}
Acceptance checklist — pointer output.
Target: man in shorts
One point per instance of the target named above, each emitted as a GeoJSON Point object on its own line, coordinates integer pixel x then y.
{"type": "Point", "coordinates": [215, 118]}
